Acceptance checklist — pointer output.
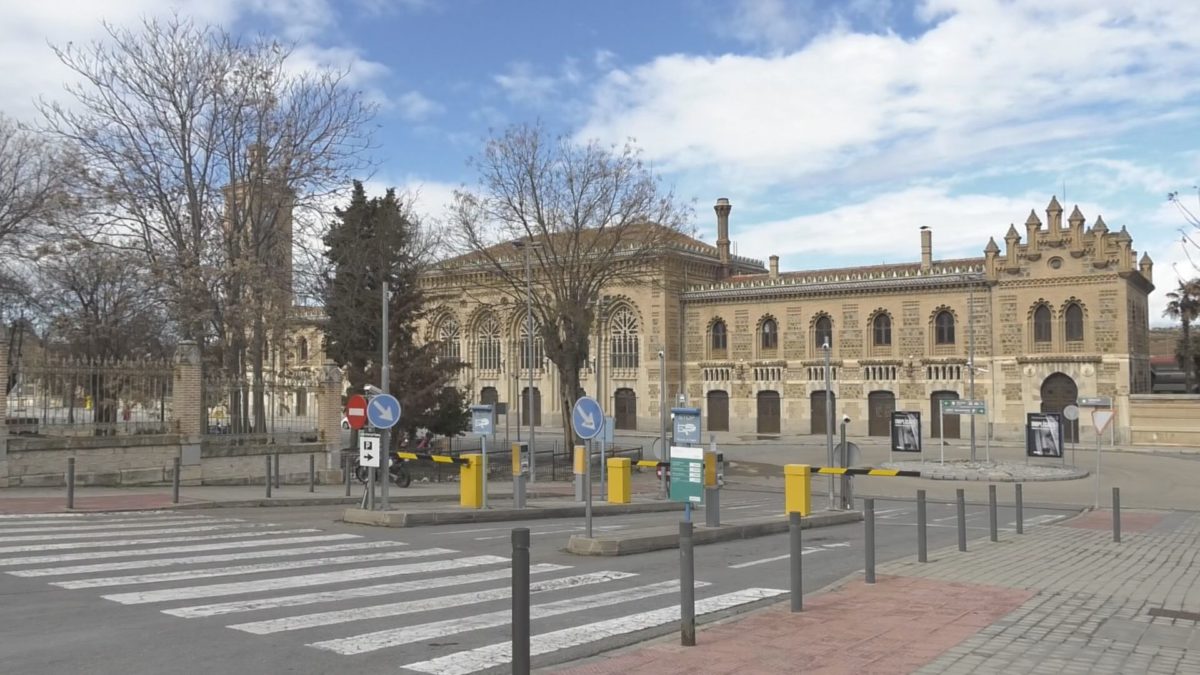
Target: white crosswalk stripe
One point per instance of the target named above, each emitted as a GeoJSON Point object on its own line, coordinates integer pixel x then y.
{"type": "Point", "coordinates": [167, 550]}
{"type": "Point", "coordinates": [63, 530]}
{"type": "Point", "coordinates": [74, 545]}
{"type": "Point", "coordinates": [199, 527]}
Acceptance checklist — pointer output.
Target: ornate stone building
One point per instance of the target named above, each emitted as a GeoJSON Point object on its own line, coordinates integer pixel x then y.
{"type": "Point", "coordinates": [1053, 315]}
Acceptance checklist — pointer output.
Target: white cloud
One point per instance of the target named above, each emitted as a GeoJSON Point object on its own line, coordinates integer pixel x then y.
{"type": "Point", "coordinates": [523, 84]}
{"type": "Point", "coordinates": [416, 107]}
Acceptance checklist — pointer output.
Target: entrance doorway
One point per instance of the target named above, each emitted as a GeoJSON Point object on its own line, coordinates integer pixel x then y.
{"type": "Point", "coordinates": [817, 408]}
{"type": "Point", "coordinates": [718, 410]}
{"type": "Point", "coordinates": [1058, 392]}
{"type": "Point", "coordinates": [935, 417]}
{"type": "Point", "coordinates": [768, 412]}
{"type": "Point", "coordinates": [625, 415]}
{"type": "Point", "coordinates": [881, 405]}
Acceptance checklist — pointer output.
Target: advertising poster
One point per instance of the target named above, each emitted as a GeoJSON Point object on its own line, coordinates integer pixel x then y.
{"type": "Point", "coordinates": [1043, 435]}
{"type": "Point", "coordinates": [906, 431]}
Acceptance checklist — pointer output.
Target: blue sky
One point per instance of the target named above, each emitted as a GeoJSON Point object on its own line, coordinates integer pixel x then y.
{"type": "Point", "coordinates": [837, 129]}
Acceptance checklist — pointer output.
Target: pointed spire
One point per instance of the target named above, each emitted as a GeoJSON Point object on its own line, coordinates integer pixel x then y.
{"type": "Point", "coordinates": [1032, 220]}
{"type": "Point", "coordinates": [1145, 260]}
{"type": "Point", "coordinates": [991, 245]}
{"type": "Point", "coordinates": [1012, 232]}
{"type": "Point", "coordinates": [1100, 226]}
{"type": "Point", "coordinates": [1076, 217]}
{"type": "Point", "coordinates": [1124, 234]}
{"type": "Point", "coordinates": [1054, 206]}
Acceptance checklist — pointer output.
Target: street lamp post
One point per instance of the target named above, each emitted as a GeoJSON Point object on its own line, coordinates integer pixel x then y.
{"type": "Point", "coordinates": [528, 399]}
{"type": "Point", "coordinates": [828, 417]}
{"type": "Point", "coordinates": [971, 357]}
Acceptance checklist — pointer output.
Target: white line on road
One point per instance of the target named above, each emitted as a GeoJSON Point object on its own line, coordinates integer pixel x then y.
{"type": "Point", "coordinates": [201, 559]}
{"type": "Point", "coordinates": [167, 550]}
{"type": "Point", "coordinates": [187, 575]}
{"type": "Point", "coordinates": [482, 658]}
{"type": "Point", "coordinates": [424, 605]}
{"type": "Point", "coordinates": [141, 524]}
{"type": "Point", "coordinates": [373, 591]}
{"type": "Point", "coordinates": [578, 528]}
{"type": "Point", "coordinates": [27, 524]}
{"type": "Point", "coordinates": [84, 516]}
{"type": "Point", "coordinates": [281, 583]}
{"type": "Point", "coordinates": [394, 637]}
{"type": "Point", "coordinates": [806, 551]}
{"type": "Point", "coordinates": [32, 548]}
{"type": "Point", "coordinates": [102, 535]}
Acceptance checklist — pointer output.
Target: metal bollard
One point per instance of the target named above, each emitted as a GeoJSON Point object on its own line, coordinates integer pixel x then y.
{"type": "Point", "coordinates": [1020, 512]}
{"type": "Point", "coordinates": [687, 586]}
{"type": "Point", "coordinates": [276, 471]}
{"type": "Point", "coordinates": [312, 473]}
{"type": "Point", "coordinates": [70, 482]}
{"type": "Point", "coordinates": [869, 525]}
{"type": "Point", "coordinates": [268, 475]}
{"type": "Point", "coordinates": [961, 497]}
{"type": "Point", "coordinates": [797, 553]}
{"type": "Point", "coordinates": [712, 507]}
{"type": "Point", "coordinates": [346, 472]}
{"type": "Point", "coordinates": [520, 601]}
{"type": "Point", "coordinates": [992, 513]}
{"type": "Point", "coordinates": [175, 483]}
{"type": "Point", "coordinates": [922, 551]}
{"type": "Point", "coordinates": [1116, 508]}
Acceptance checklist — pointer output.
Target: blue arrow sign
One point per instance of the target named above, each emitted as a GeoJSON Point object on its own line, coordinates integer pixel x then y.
{"type": "Point", "coordinates": [587, 418]}
{"type": "Point", "coordinates": [383, 411]}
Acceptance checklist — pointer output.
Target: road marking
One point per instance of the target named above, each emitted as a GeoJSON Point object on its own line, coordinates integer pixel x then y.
{"type": "Point", "coordinates": [167, 550]}
{"type": "Point", "coordinates": [201, 559]}
{"type": "Point", "coordinates": [747, 506]}
{"type": "Point", "coordinates": [414, 606]}
{"type": "Point", "coordinates": [85, 516]}
{"type": "Point", "coordinates": [373, 591]}
{"type": "Point", "coordinates": [33, 548]}
{"type": "Point", "coordinates": [188, 575]}
{"type": "Point", "coordinates": [102, 535]}
{"type": "Point", "coordinates": [103, 520]}
{"type": "Point", "coordinates": [578, 528]}
{"type": "Point", "coordinates": [168, 522]}
{"type": "Point", "coordinates": [394, 637]}
{"type": "Point", "coordinates": [491, 656]}
{"type": "Point", "coordinates": [281, 583]}
{"type": "Point", "coordinates": [805, 551]}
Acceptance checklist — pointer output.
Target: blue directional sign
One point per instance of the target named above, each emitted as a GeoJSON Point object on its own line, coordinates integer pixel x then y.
{"type": "Point", "coordinates": [481, 420]}
{"type": "Point", "coordinates": [687, 425]}
{"type": "Point", "coordinates": [587, 417]}
{"type": "Point", "coordinates": [383, 411]}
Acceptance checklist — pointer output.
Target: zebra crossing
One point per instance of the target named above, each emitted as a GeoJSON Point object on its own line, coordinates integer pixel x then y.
{"type": "Point", "coordinates": [430, 609]}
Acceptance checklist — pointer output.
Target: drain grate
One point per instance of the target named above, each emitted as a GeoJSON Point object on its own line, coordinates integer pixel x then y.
{"type": "Point", "coordinates": [1174, 614]}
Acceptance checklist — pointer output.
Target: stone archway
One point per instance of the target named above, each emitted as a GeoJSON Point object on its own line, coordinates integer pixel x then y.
{"type": "Point", "coordinates": [1058, 392]}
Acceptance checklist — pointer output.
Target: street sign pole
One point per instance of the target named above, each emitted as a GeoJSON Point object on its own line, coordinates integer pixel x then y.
{"type": "Point", "coordinates": [385, 373]}
{"type": "Point", "coordinates": [587, 490]}
{"type": "Point", "coordinates": [587, 420]}
{"type": "Point", "coordinates": [942, 429]}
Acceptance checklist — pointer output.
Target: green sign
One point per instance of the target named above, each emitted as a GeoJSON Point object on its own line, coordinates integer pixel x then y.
{"type": "Point", "coordinates": [687, 474]}
{"type": "Point", "coordinates": [963, 407]}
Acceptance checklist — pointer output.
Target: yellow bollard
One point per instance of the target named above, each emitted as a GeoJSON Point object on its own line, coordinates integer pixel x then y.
{"type": "Point", "coordinates": [580, 460]}
{"type": "Point", "coordinates": [517, 450]}
{"type": "Point", "coordinates": [470, 482]}
{"type": "Point", "coordinates": [619, 480]}
{"type": "Point", "coordinates": [797, 490]}
{"type": "Point", "coordinates": [710, 469]}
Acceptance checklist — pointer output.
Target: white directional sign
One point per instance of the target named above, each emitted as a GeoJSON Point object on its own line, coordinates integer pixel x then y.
{"type": "Point", "coordinates": [1101, 419]}
{"type": "Point", "coordinates": [368, 450]}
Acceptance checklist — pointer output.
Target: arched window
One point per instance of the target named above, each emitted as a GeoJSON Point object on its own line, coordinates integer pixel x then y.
{"type": "Point", "coordinates": [1074, 323]}
{"type": "Point", "coordinates": [624, 332]}
{"type": "Point", "coordinates": [823, 332]}
{"type": "Point", "coordinates": [720, 339]}
{"type": "Point", "coordinates": [943, 328]}
{"type": "Point", "coordinates": [770, 334]}
{"type": "Point", "coordinates": [524, 357]}
{"type": "Point", "coordinates": [447, 336]}
{"type": "Point", "coordinates": [303, 350]}
{"type": "Point", "coordinates": [881, 330]}
{"type": "Point", "coordinates": [489, 344]}
{"type": "Point", "coordinates": [1041, 324]}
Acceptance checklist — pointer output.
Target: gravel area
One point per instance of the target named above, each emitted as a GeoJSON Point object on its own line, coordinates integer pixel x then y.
{"type": "Point", "coordinates": [1012, 472]}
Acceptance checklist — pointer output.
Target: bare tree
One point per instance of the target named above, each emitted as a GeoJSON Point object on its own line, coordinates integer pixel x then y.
{"type": "Point", "coordinates": [596, 217]}
{"type": "Point", "coordinates": [196, 147]}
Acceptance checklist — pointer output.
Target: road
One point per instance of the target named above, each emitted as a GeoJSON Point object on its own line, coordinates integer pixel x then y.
{"type": "Point", "coordinates": [291, 590]}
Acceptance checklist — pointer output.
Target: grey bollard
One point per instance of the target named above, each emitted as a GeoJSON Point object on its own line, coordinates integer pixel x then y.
{"type": "Point", "coordinates": [346, 471]}
{"type": "Point", "coordinates": [268, 475]}
{"type": "Point", "coordinates": [276, 471]}
{"type": "Point", "coordinates": [922, 551]}
{"type": "Point", "coordinates": [1020, 512]}
{"type": "Point", "coordinates": [312, 473]}
{"type": "Point", "coordinates": [520, 601]}
{"type": "Point", "coordinates": [797, 553]}
{"type": "Point", "coordinates": [712, 507]}
{"type": "Point", "coordinates": [687, 586]}
{"type": "Point", "coordinates": [175, 483]}
{"type": "Point", "coordinates": [1116, 509]}
{"type": "Point", "coordinates": [70, 482]}
{"type": "Point", "coordinates": [992, 527]}
{"type": "Point", "coordinates": [869, 526]}
{"type": "Point", "coordinates": [961, 498]}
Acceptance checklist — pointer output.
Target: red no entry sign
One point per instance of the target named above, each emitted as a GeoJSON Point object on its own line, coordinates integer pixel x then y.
{"type": "Point", "coordinates": [356, 411]}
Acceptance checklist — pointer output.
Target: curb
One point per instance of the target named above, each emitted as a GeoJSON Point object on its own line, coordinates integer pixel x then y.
{"type": "Point", "coordinates": [632, 542]}
{"type": "Point", "coordinates": [463, 516]}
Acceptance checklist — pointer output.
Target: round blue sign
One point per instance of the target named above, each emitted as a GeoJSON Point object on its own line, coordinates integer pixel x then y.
{"type": "Point", "coordinates": [587, 418]}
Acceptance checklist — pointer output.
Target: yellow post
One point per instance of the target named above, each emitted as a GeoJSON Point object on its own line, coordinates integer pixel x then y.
{"type": "Point", "coordinates": [710, 469]}
{"type": "Point", "coordinates": [470, 482]}
{"type": "Point", "coordinates": [797, 490]}
{"type": "Point", "coordinates": [580, 460]}
{"type": "Point", "coordinates": [619, 480]}
{"type": "Point", "coordinates": [517, 448]}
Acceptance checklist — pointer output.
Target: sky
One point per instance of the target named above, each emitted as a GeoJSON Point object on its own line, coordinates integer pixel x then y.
{"type": "Point", "coordinates": [836, 129]}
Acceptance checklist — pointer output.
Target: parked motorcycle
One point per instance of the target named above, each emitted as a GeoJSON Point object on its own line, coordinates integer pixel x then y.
{"type": "Point", "coordinates": [397, 472]}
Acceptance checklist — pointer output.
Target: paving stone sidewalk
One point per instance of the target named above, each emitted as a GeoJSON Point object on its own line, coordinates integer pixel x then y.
{"type": "Point", "coordinates": [1062, 599]}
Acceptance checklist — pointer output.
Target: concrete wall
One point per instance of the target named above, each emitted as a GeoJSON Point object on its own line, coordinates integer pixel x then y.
{"type": "Point", "coordinates": [1165, 419]}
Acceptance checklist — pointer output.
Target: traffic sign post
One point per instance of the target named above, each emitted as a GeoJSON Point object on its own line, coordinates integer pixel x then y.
{"type": "Point", "coordinates": [383, 411]}
{"type": "Point", "coordinates": [356, 411]}
{"type": "Point", "coordinates": [587, 417]}
{"type": "Point", "coordinates": [368, 450]}
{"type": "Point", "coordinates": [687, 474]}
{"type": "Point", "coordinates": [687, 425]}
{"type": "Point", "coordinates": [1100, 421]}
{"type": "Point", "coordinates": [958, 407]}
{"type": "Point", "coordinates": [481, 426]}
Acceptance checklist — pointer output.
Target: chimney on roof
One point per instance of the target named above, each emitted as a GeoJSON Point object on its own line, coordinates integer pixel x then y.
{"type": "Point", "coordinates": [774, 267]}
{"type": "Point", "coordinates": [723, 208]}
{"type": "Point", "coordinates": [926, 248]}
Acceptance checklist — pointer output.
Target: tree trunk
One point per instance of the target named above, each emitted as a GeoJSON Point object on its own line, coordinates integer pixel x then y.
{"type": "Point", "coordinates": [568, 381]}
{"type": "Point", "coordinates": [260, 411]}
{"type": "Point", "coordinates": [1188, 365]}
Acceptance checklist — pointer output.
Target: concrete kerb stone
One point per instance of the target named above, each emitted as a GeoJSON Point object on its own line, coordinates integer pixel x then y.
{"type": "Point", "coordinates": [491, 515]}
{"type": "Point", "coordinates": [630, 542]}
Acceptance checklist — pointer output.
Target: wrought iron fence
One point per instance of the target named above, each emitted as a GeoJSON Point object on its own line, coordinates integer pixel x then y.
{"type": "Point", "coordinates": [280, 407]}
{"type": "Point", "coordinates": [89, 397]}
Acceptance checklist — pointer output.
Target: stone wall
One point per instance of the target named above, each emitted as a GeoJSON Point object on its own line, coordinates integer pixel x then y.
{"type": "Point", "coordinates": [1165, 419]}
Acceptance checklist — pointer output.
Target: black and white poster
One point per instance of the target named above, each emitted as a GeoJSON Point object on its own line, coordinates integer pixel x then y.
{"type": "Point", "coordinates": [906, 431]}
{"type": "Point", "coordinates": [1043, 435]}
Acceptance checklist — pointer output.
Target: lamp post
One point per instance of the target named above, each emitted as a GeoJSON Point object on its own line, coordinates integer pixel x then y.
{"type": "Point", "coordinates": [828, 417]}
{"type": "Point", "coordinates": [528, 400]}
{"type": "Point", "coordinates": [971, 356]}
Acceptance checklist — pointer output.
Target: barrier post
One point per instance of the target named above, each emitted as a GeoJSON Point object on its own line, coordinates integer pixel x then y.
{"type": "Point", "coordinates": [1020, 512]}
{"type": "Point", "coordinates": [580, 459]}
{"type": "Point", "coordinates": [312, 473]}
{"type": "Point", "coordinates": [470, 482]}
{"type": "Point", "coordinates": [520, 601]}
{"type": "Point", "coordinates": [687, 586]}
{"type": "Point", "coordinates": [961, 497]}
{"type": "Point", "coordinates": [797, 553]}
{"type": "Point", "coordinates": [277, 471]}
{"type": "Point", "coordinates": [992, 527]}
{"type": "Point", "coordinates": [175, 482]}
{"type": "Point", "coordinates": [869, 524]}
{"type": "Point", "coordinates": [922, 551]}
{"type": "Point", "coordinates": [1116, 509]}
{"type": "Point", "coordinates": [619, 478]}
{"type": "Point", "coordinates": [267, 475]}
{"type": "Point", "coordinates": [518, 475]}
{"type": "Point", "coordinates": [712, 495]}
{"type": "Point", "coordinates": [70, 482]}
{"type": "Point", "coordinates": [797, 489]}
{"type": "Point", "coordinates": [346, 472]}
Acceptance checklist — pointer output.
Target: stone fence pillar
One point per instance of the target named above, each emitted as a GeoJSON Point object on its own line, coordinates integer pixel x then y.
{"type": "Point", "coordinates": [329, 408]}
{"type": "Point", "coordinates": [3, 410]}
{"type": "Point", "coordinates": [187, 401]}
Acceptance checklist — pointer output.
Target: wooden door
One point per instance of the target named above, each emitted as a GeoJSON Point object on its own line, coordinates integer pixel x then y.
{"type": "Point", "coordinates": [625, 416]}
{"type": "Point", "coordinates": [881, 405]}
{"type": "Point", "coordinates": [768, 412]}
{"type": "Point", "coordinates": [1058, 392]}
{"type": "Point", "coordinates": [817, 408]}
{"type": "Point", "coordinates": [935, 415]}
{"type": "Point", "coordinates": [718, 410]}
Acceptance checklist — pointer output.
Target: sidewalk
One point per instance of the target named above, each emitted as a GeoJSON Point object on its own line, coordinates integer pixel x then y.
{"type": "Point", "coordinates": [1060, 600]}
